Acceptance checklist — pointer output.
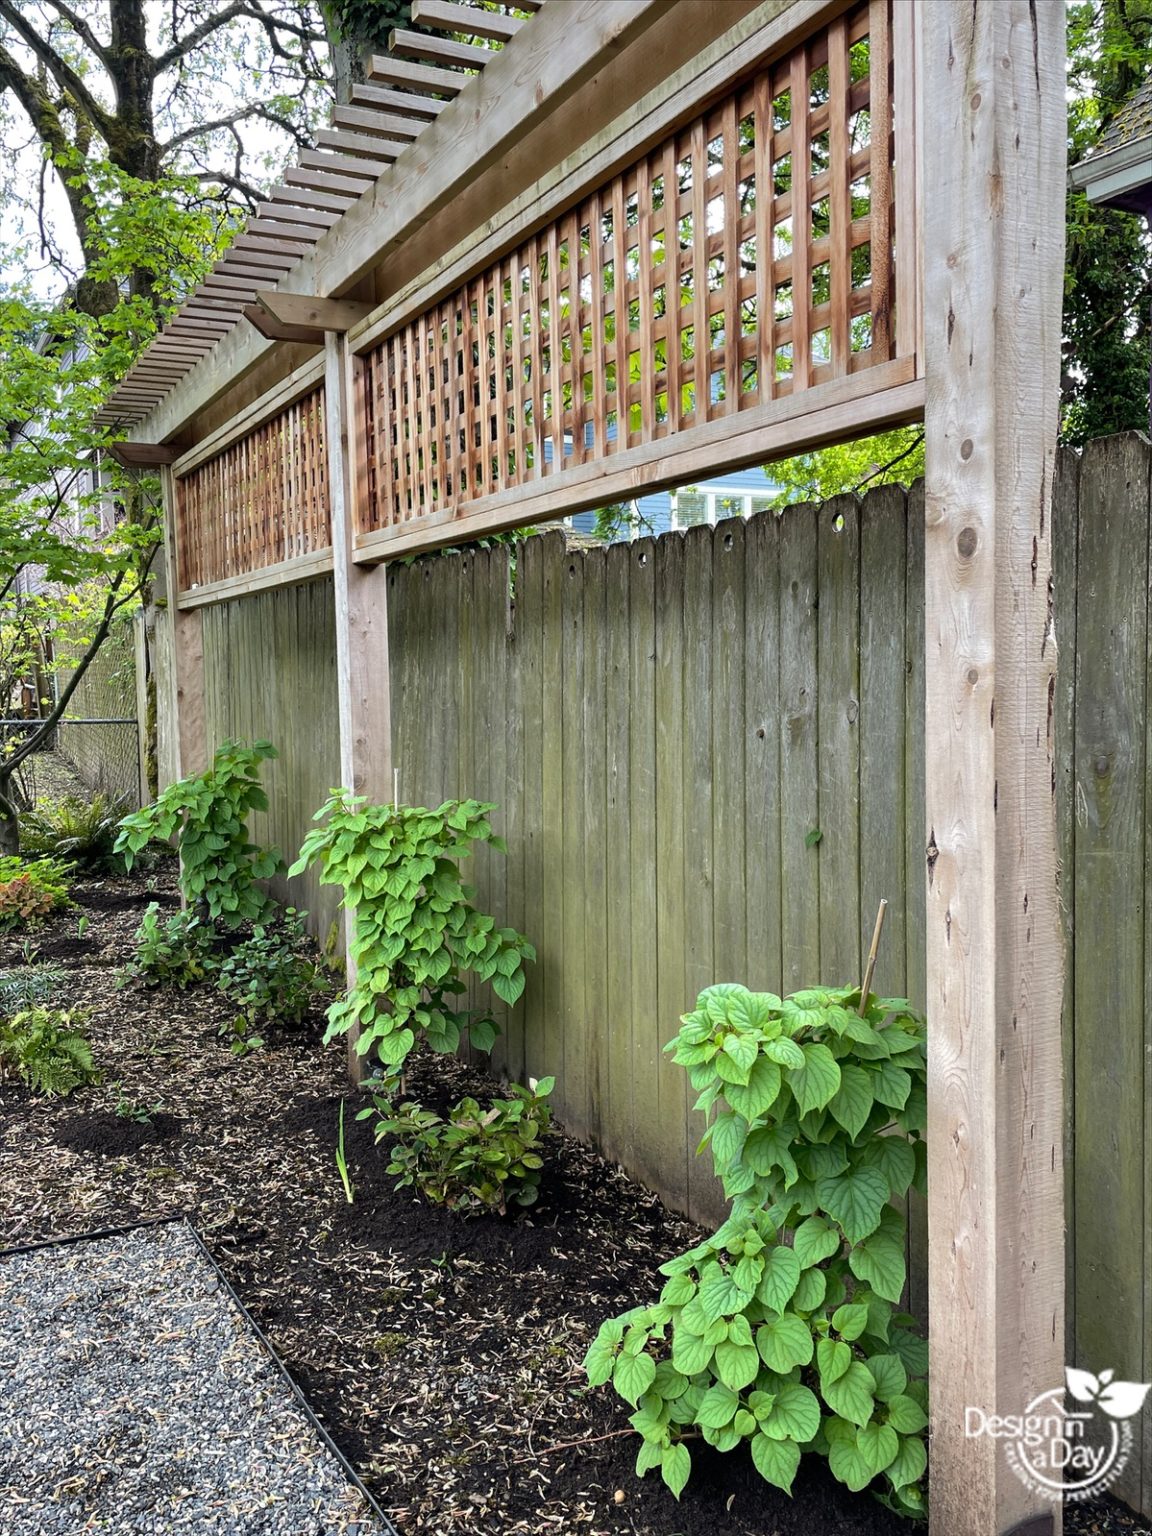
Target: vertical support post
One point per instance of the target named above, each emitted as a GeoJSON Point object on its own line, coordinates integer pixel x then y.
{"type": "Point", "coordinates": [191, 740]}
{"type": "Point", "coordinates": [361, 593]}
{"type": "Point", "coordinates": [993, 247]}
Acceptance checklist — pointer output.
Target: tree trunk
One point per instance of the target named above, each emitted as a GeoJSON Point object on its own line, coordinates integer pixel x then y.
{"type": "Point", "coordinates": [9, 817]}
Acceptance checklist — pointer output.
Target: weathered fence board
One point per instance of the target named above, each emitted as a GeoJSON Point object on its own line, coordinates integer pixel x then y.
{"type": "Point", "coordinates": [666, 725]}
{"type": "Point", "coordinates": [270, 672]}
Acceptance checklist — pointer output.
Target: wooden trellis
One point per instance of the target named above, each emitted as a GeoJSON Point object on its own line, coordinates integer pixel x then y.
{"type": "Point", "coordinates": [262, 500]}
{"type": "Point", "coordinates": [746, 259]}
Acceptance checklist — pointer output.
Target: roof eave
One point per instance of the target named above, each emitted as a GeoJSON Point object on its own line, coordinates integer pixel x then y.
{"type": "Point", "coordinates": [1120, 178]}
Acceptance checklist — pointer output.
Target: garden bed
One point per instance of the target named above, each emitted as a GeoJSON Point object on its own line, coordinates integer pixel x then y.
{"type": "Point", "coordinates": [440, 1351]}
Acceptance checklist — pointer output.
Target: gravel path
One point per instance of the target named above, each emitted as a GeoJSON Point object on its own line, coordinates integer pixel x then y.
{"type": "Point", "coordinates": [134, 1398]}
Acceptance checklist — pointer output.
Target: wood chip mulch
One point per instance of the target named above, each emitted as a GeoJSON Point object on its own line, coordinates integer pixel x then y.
{"type": "Point", "coordinates": [441, 1352]}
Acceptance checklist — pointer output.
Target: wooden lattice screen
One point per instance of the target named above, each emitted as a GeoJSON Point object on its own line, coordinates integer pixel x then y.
{"type": "Point", "coordinates": [262, 500]}
{"type": "Point", "coordinates": [693, 286]}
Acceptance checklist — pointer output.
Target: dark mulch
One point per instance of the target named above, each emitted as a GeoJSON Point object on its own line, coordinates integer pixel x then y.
{"type": "Point", "coordinates": [113, 1135]}
{"type": "Point", "coordinates": [441, 1351]}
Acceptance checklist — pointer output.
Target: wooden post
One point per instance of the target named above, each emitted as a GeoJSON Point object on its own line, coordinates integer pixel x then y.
{"type": "Point", "coordinates": [993, 244]}
{"type": "Point", "coordinates": [191, 743]}
{"type": "Point", "coordinates": [361, 592]}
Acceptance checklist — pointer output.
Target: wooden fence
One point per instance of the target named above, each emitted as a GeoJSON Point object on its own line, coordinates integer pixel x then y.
{"type": "Point", "coordinates": [707, 753]}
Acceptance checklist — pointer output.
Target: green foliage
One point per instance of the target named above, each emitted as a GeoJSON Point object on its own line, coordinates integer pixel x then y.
{"type": "Point", "coordinates": [46, 1048]}
{"type": "Point", "coordinates": [31, 984]}
{"type": "Point", "coordinates": [416, 932]}
{"type": "Point", "coordinates": [83, 831]}
{"type": "Point", "coordinates": [175, 952]}
{"type": "Point", "coordinates": [31, 889]}
{"type": "Point", "coordinates": [240, 1037]}
{"type": "Point", "coordinates": [1108, 262]}
{"type": "Point", "coordinates": [887, 458]}
{"type": "Point", "coordinates": [476, 1157]}
{"type": "Point", "coordinates": [272, 975]}
{"type": "Point", "coordinates": [342, 1160]}
{"type": "Point", "coordinates": [208, 814]}
{"type": "Point", "coordinates": [781, 1330]}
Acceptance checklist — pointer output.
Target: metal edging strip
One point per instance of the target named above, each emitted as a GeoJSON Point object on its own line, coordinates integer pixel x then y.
{"type": "Point", "coordinates": [345, 1465]}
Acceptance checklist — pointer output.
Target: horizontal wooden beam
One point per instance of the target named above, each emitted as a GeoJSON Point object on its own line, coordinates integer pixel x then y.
{"type": "Point", "coordinates": [343, 165]}
{"type": "Point", "coordinates": [300, 309]}
{"type": "Point", "coordinates": [255, 254]}
{"type": "Point", "coordinates": [385, 125]}
{"type": "Point", "coordinates": [300, 234]}
{"type": "Point", "coordinates": [440, 50]}
{"type": "Point", "coordinates": [285, 573]}
{"type": "Point", "coordinates": [361, 145]}
{"type": "Point", "coordinates": [253, 242]}
{"type": "Point", "coordinates": [309, 197]}
{"type": "Point", "coordinates": [318, 219]}
{"type": "Point", "coordinates": [403, 102]}
{"type": "Point", "coordinates": [422, 77]}
{"type": "Point", "coordinates": [276, 330]}
{"type": "Point", "coordinates": [325, 180]}
{"type": "Point", "coordinates": [145, 455]}
{"type": "Point", "coordinates": [447, 16]}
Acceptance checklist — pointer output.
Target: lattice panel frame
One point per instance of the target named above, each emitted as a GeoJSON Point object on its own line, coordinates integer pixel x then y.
{"type": "Point", "coordinates": [545, 361]}
{"type": "Point", "coordinates": [261, 500]}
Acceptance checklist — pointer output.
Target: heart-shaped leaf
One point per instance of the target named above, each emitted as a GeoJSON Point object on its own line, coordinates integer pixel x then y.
{"type": "Point", "coordinates": [633, 1375]}
{"type": "Point", "coordinates": [815, 1240]}
{"type": "Point", "coordinates": [776, 1460]}
{"type": "Point", "coordinates": [795, 1414]}
{"type": "Point", "coordinates": [817, 1081]}
{"type": "Point", "coordinates": [676, 1468]}
{"type": "Point", "coordinates": [851, 1395]}
{"type": "Point", "coordinates": [784, 1342]}
{"type": "Point", "coordinates": [781, 1276]}
{"type": "Point", "coordinates": [852, 1102]}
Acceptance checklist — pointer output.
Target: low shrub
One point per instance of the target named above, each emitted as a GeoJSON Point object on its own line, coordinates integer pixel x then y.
{"type": "Point", "coordinates": [29, 985]}
{"type": "Point", "coordinates": [83, 831]}
{"type": "Point", "coordinates": [781, 1331]}
{"type": "Point", "coordinates": [416, 932]}
{"type": "Point", "coordinates": [208, 814]}
{"type": "Point", "coordinates": [476, 1157]}
{"type": "Point", "coordinates": [176, 951]}
{"type": "Point", "coordinates": [31, 889]}
{"type": "Point", "coordinates": [272, 976]}
{"type": "Point", "coordinates": [240, 1035]}
{"type": "Point", "coordinates": [47, 1050]}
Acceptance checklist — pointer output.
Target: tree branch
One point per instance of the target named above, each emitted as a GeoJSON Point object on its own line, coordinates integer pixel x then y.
{"type": "Point", "coordinates": [81, 28]}
{"type": "Point", "coordinates": [65, 76]}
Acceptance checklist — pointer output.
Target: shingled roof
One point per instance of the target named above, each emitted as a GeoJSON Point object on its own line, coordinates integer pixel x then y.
{"type": "Point", "coordinates": [1133, 121]}
{"type": "Point", "coordinates": [1118, 172]}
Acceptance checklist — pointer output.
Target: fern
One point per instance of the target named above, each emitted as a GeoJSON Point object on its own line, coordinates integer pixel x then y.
{"type": "Point", "coordinates": [47, 1050]}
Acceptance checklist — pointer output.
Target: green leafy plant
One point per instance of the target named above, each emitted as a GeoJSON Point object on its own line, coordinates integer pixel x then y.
{"type": "Point", "coordinates": [240, 1037]}
{"type": "Point", "coordinates": [31, 984]}
{"type": "Point", "coordinates": [477, 1157]}
{"type": "Point", "coordinates": [83, 831]}
{"type": "Point", "coordinates": [782, 1330]}
{"type": "Point", "coordinates": [172, 952]}
{"type": "Point", "coordinates": [31, 889]}
{"type": "Point", "coordinates": [342, 1161]}
{"type": "Point", "coordinates": [208, 814]}
{"type": "Point", "coordinates": [416, 932]}
{"type": "Point", "coordinates": [272, 976]}
{"type": "Point", "coordinates": [127, 1109]}
{"type": "Point", "coordinates": [47, 1050]}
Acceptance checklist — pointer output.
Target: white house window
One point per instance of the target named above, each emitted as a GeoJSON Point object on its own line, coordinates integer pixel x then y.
{"type": "Point", "coordinates": [705, 504]}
